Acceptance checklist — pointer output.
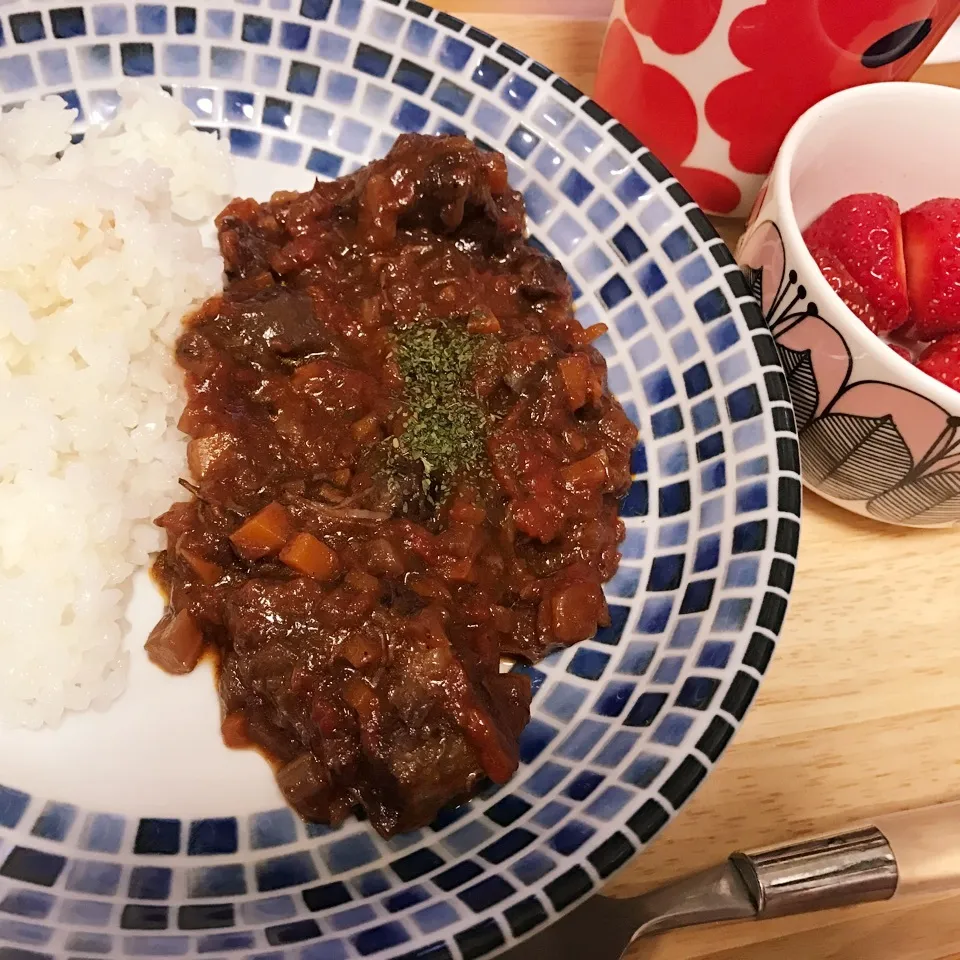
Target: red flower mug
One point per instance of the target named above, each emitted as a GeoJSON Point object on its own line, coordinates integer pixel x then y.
{"type": "Point", "coordinates": [713, 86]}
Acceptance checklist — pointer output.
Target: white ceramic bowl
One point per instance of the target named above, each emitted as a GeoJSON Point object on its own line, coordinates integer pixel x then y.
{"type": "Point", "coordinates": [877, 435]}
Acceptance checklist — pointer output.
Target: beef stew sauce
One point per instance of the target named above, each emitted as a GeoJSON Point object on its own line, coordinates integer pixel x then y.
{"type": "Point", "coordinates": [405, 467]}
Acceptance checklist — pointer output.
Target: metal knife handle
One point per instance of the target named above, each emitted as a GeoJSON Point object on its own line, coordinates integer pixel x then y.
{"type": "Point", "coordinates": [917, 851]}
{"type": "Point", "coordinates": [856, 866]}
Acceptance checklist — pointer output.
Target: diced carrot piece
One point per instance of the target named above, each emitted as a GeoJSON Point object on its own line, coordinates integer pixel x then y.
{"type": "Point", "coordinates": [336, 385]}
{"type": "Point", "coordinates": [540, 518]}
{"type": "Point", "coordinates": [361, 651]}
{"type": "Point", "coordinates": [241, 209]}
{"type": "Point", "coordinates": [464, 511]}
{"type": "Point", "coordinates": [311, 557]}
{"type": "Point", "coordinates": [496, 171]}
{"type": "Point", "coordinates": [310, 371]}
{"type": "Point", "coordinates": [523, 354]}
{"type": "Point", "coordinates": [294, 255]}
{"type": "Point", "coordinates": [460, 540]}
{"type": "Point", "coordinates": [483, 322]}
{"type": "Point", "coordinates": [588, 473]}
{"type": "Point", "coordinates": [593, 332]}
{"type": "Point", "coordinates": [362, 582]}
{"type": "Point", "coordinates": [176, 643]}
{"type": "Point", "coordinates": [262, 534]}
{"type": "Point", "coordinates": [576, 609]}
{"type": "Point", "coordinates": [248, 286]}
{"type": "Point", "coordinates": [359, 694]}
{"type": "Point", "coordinates": [495, 756]}
{"type": "Point", "coordinates": [233, 729]}
{"type": "Point", "coordinates": [430, 588]}
{"type": "Point", "coordinates": [456, 568]}
{"type": "Point", "coordinates": [575, 373]}
{"type": "Point", "coordinates": [383, 558]}
{"type": "Point", "coordinates": [366, 429]}
{"type": "Point", "coordinates": [208, 571]}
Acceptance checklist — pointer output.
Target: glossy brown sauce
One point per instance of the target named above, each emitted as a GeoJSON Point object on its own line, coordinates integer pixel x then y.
{"type": "Point", "coordinates": [359, 596]}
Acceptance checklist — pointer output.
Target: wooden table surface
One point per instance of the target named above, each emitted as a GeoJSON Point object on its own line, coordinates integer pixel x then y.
{"type": "Point", "coordinates": [860, 710]}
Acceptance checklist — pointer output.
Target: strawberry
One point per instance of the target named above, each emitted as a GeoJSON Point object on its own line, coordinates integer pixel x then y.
{"type": "Point", "coordinates": [863, 232]}
{"type": "Point", "coordinates": [942, 360]}
{"type": "Point", "coordinates": [901, 351]}
{"type": "Point", "coordinates": [931, 246]}
{"type": "Point", "coordinates": [849, 291]}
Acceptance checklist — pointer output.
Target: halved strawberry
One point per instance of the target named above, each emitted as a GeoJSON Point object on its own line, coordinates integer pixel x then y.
{"type": "Point", "coordinates": [942, 360]}
{"type": "Point", "coordinates": [849, 291]}
{"type": "Point", "coordinates": [901, 351]}
{"type": "Point", "coordinates": [863, 232]}
{"type": "Point", "coordinates": [931, 245]}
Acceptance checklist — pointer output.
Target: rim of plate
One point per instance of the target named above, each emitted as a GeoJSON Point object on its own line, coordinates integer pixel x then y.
{"type": "Point", "coordinates": [489, 873]}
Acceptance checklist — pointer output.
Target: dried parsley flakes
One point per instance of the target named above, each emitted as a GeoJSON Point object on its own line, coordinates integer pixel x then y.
{"type": "Point", "coordinates": [445, 428]}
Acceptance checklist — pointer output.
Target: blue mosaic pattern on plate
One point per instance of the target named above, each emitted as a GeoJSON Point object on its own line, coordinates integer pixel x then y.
{"type": "Point", "coordinates": [627, 724]}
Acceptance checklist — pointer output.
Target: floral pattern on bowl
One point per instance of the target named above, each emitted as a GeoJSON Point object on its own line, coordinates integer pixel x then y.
{"type": "Point", "coordinates": [873, 446]}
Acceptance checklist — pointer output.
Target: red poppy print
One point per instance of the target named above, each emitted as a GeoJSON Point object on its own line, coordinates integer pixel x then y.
{"type": "Point", "coordinates": [712, 190]}
{"type": "Point", "coordinates": [856, 25]}
{"type": "Point", "coordinates": [805, 50]}
{"type": "Point", "coordinates": [657, 108]}
{"type": "Point", "coordinates": [674, 27]}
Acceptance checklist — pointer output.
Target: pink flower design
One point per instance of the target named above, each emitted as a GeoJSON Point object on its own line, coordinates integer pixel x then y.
{"type": "Point", "coordinates": [890, 449]}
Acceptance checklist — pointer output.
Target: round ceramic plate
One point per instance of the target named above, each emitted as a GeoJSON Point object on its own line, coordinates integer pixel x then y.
{"type": "Point", "coordinates": [135, 833]}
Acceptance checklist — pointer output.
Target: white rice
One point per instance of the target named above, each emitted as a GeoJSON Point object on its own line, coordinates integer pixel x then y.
{"type": "Point", "coordinates": [101, 254]}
